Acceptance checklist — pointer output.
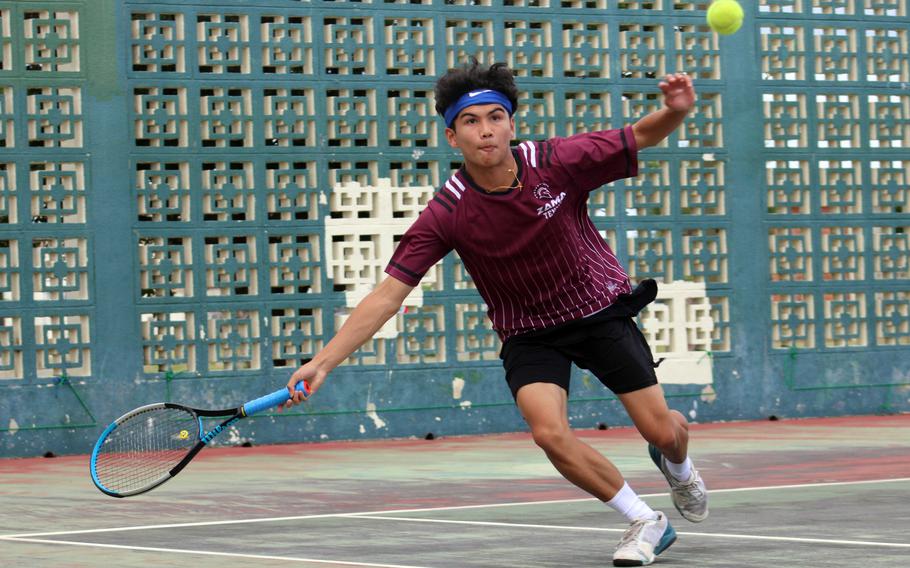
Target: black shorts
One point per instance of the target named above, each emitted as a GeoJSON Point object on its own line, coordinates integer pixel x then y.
{"type": "Point", "coordinates": [609, 344]}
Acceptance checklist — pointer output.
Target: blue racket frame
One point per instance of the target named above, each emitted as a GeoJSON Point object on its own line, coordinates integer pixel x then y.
{"type": "Point", "coordinates": [254, 406]}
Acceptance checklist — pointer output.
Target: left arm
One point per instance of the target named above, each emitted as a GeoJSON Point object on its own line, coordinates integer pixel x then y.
{"type": "Point", "coordinates": [679, 98]}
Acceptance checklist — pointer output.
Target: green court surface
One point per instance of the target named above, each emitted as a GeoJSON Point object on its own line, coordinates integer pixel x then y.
{"type": "Point", "coordinates": [808, 493]}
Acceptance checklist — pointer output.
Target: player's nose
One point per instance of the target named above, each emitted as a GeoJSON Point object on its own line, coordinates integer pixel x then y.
{"type": "Point", "coordinates": [486, 129]}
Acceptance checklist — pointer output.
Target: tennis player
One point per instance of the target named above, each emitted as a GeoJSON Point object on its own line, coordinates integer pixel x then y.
{"type": "Point", "coordinates": [555, 292]}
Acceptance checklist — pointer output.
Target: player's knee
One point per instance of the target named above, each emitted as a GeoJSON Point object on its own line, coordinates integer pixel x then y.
{"type": "Point", "coordinates": [665, 434]}
{"type": "Point", "coordinates": [678, 417]}
{"type": "Point", "coordinates": [664, 439]}
{"type": "Point", "coordinates": [551, 438]}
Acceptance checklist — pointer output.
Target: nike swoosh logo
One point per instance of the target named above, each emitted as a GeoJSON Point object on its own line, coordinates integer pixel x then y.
{"type": "Point", "coordinates": [475, 93]}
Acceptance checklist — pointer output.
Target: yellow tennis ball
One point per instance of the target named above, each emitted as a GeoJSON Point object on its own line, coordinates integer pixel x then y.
{"type": "Point", "coordinates": [725, 16]}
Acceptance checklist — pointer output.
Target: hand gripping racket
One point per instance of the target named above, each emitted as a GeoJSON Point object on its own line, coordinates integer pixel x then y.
{"type": "Point", "coordinates": [151, 444]}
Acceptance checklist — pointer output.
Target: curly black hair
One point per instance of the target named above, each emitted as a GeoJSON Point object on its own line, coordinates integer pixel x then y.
{"type": "Point", "coordinates": [471, 76]}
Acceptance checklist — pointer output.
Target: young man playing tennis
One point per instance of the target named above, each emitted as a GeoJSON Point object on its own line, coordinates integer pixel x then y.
{"type": "Point", "coordinates": [556, 293]}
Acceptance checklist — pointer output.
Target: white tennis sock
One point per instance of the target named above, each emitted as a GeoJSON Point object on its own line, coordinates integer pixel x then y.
{"type": "Point", "coordinates": [681, 471]}
{"type": "Point", "coordinates": [630, 505]}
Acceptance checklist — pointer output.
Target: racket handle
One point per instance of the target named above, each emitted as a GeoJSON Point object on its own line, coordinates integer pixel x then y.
{"type": "Point", "coordinates": [280, 396]}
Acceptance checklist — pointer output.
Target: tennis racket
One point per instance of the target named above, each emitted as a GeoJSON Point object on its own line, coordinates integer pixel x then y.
{"type": "Point", "coordinates": [151, 444]}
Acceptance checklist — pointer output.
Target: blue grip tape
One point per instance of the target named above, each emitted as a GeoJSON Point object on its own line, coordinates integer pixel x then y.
{"type": "Point", "coordinates": [280, 396]}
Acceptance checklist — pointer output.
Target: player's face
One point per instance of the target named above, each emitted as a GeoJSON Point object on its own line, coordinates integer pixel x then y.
{"type": "Point", "coordinates": [483, 133]}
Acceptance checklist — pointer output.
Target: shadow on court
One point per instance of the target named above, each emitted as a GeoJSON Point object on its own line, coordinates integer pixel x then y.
{"type": "Point", "coordinates": [808, 493]}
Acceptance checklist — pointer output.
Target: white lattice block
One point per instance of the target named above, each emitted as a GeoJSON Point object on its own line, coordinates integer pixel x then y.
{"type": "Point", "coordinates": [686, 369]}
{"type": "Point", "coordinates": [361, 234]}
{"type": "Point", "coordinates": [679, 327]}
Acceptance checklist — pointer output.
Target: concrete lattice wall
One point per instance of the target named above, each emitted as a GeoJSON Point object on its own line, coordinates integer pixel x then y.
{"type": "Point", "coordinates": [194, 195]}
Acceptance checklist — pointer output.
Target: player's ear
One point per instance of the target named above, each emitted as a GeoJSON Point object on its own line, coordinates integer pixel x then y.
{"type": "Point", "coordinates": [450, 136]}
{"type": "Point", "coordinates": [512, 124]}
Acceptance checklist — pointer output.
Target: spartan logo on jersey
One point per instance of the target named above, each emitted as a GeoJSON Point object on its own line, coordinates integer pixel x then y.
{"type": "Point", "coordinates": [542, 192]}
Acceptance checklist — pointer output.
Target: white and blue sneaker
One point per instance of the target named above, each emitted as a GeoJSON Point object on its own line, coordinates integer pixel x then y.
{"type": "Point", "coordinates": [644, 540]}
{"type": "Point", "coordinates": [690, 497]}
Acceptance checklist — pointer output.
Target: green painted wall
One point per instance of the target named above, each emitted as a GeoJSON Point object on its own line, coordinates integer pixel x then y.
{"type": "Point", "coordinates": [173, 223]}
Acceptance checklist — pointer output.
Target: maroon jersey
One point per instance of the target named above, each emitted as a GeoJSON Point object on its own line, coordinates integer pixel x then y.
{"type": "Point", "coordinates": [533, 252]}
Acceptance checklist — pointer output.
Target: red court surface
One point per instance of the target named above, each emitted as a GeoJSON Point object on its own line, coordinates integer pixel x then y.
{"type": "Point", "coordinates": [808, 493]}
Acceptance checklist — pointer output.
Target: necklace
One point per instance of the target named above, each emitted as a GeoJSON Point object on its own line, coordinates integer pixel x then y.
{"type": "Point", "coordinates": [517, 183]}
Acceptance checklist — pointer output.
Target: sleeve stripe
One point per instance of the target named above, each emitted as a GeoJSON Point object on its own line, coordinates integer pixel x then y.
{"type": "Point", "coordinates": [529, 151]}
{"type": "Point", "coordinates": [454, 179]}
{"type": "Point", "coordinates": [445, 194]}
{"type": "Point", "coordinates": [451, 188]}
{"type": "Point", "coordinates": [405, 270]}
{"type": "Point", "coordinates": [442, 202]}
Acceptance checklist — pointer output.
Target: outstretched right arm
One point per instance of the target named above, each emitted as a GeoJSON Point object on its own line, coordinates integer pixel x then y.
{"type": "Point", "coordinates": [366, 319]}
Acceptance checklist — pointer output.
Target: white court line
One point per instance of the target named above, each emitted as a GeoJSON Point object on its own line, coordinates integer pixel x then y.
{"type": "Point", "coordinates": [426, 510]}
{"type": "Point", "coordinates": [600, 529]}
{"type": "Point", "coordinates": [211, 553]}
{"type": "Point", "coordinates": [583, 499]}
{"type": "Point", "coordinates": [178, 525]}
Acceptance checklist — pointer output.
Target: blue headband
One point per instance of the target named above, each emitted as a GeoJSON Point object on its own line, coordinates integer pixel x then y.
{"type": "Point", "coordinates": [479, 97]}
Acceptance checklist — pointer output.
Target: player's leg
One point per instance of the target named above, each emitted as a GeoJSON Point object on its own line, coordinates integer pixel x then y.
{"type": "Point", "coordinates": [618, 354]}
{"type": "Point", "coordinates": [667, 434]}
{"type": "Point", "coordinates": [544, 407]}
{"type": "Point", "coordinates": [666, 429]}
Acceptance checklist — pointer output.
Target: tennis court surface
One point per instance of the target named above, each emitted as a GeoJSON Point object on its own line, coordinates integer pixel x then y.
{"type": "Point", "coordinates": [808, 493]}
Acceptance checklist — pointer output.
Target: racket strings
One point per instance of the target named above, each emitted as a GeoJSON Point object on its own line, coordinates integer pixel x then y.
{"type": "Point", "coordinates": [144, 447]}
